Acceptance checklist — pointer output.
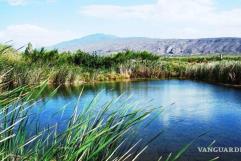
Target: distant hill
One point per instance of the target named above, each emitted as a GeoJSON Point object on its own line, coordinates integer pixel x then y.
{"type": "Point", "coordinates": [105, 44]}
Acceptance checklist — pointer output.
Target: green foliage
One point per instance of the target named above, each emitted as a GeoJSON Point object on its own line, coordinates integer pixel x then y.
{"type": "Point", "coordinates": [41, 56]}
{"type": "Point", "coordinates": [128, 55]}
{"type": "Point", "coordinates": [78, 67]}
{"type": "Point", "coordinates": [6, 49]}
{"type": "Point", "coordinates": [29, 49]}
{"type": "Point", "coordinates": [80, 58]}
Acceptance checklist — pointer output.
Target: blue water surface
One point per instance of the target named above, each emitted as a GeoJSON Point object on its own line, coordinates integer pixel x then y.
{"type": "Point", "coordinates": [189, 108]}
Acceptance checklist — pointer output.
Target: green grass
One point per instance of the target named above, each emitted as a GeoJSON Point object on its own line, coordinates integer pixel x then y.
{"type": "Point", "coordinates": [76, 68]}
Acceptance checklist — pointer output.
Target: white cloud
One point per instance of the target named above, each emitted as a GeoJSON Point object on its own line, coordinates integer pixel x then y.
{"type": "Point", "coordinates": [39, 36]}
{"type": "Point", "coordinates": [24, 2]}
{"type": "Point", "coordinates": [112, 11]}
{"type": "Point", "coordinates": [16, 2]}
{"type": "Point", "coordinates": [162, 9]}
{"type": "Point", "coordinates": [198, 18]}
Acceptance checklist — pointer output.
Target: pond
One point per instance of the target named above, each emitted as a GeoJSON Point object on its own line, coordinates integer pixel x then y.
{"type": "Point", "coordinates": [189, 109]}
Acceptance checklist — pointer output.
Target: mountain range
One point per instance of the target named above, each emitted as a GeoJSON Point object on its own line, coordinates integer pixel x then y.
{"type": "Point", "coordinates": [106, 44]}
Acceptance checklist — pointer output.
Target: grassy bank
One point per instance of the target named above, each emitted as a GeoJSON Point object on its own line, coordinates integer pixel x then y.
{"type": "Point", "coordinates": [36, 66]}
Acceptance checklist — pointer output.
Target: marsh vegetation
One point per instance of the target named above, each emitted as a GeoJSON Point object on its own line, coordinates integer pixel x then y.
{"type": "Point", "coordinates": [87, 136]}
{"type": "Point", "coordinates": [37, 65]}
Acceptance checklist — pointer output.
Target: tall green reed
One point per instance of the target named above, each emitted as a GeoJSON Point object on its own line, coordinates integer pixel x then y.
{"type": "Point", "coordinates": [95, 134]}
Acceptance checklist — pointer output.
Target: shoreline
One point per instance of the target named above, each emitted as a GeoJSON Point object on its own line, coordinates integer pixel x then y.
{"type": "Point", "coordinates": [235, 86]}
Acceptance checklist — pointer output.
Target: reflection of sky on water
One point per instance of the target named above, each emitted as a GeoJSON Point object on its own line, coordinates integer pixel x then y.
{"type": "Point", "coordinates": [190, 109]}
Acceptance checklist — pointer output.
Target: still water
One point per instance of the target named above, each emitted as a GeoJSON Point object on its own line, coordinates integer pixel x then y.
{"type": "Point", "coordinates": [189, 110]}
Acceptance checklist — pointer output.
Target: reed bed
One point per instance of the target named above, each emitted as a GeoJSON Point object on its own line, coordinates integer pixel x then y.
{"type": "Point", "coordinates": [223, 72]}
{"type": "Point", "coordinates": [79, 67]}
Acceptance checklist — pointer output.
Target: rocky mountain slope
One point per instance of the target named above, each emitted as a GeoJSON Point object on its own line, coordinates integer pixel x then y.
{"type": "Point", "coordinates": [105, 44]}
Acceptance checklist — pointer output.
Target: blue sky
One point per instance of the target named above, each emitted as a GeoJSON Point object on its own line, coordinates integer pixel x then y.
{"type": "Point", "coordinates": [46, 22]}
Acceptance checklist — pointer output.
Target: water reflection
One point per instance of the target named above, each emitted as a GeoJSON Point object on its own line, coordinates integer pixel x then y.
{"type": "Point", "coordinates": [190, 109]}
